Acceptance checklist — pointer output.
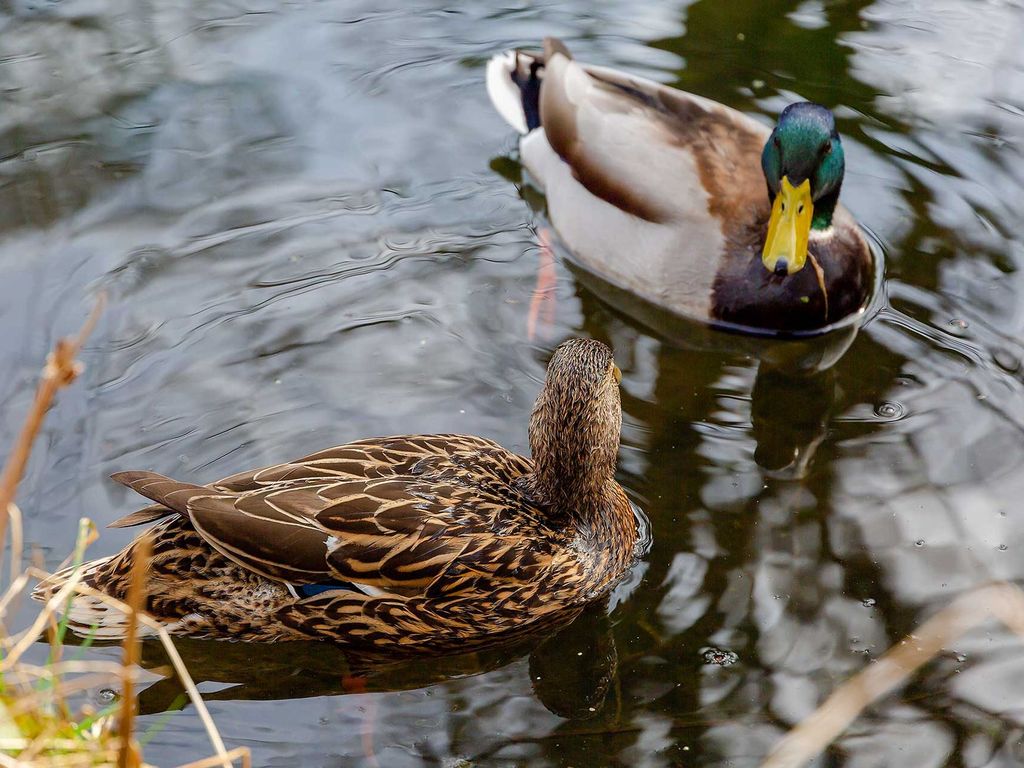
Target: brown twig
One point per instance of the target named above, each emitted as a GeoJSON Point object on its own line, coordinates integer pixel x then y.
{"type": "Point", "coordinates": [60, 370]}
{"type": "Point", "coordinates": [172, 653]}
{"type": "Point", "coordinates": [812, 736]}
{"type": "Point", "coordinates": [238, 753]}
{"type": "Point", "coordinates": [128, 755]}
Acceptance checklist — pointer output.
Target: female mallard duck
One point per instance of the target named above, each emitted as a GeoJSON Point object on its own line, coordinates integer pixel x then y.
{"type": "Point", "coordinates": [432, 541]}
{"type": "Point", "coordinates": [658, 192]}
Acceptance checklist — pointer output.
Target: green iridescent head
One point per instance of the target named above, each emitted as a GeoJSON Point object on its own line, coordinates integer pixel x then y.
{"type": "Point", "coordinates": [803, 164]}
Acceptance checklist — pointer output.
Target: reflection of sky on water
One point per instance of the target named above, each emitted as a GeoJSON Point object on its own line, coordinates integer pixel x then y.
{"type": "Point", "coordinates": [293, 211]}
{"type": "Point", "coordinates": [972, 51]}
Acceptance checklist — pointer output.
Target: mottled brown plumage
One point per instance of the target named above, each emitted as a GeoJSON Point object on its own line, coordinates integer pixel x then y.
{"type": "Point", "coordinates": [421, 542]}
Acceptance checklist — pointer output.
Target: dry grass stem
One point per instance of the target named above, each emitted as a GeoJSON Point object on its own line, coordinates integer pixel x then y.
{"type": "Point", "coordinates": [238, 753]}
{"type": "Point", "coordinates": [128, 756]}
{"type": "Point", "coordinates": [811, 737]}
{"type": "Point", "coordinates": [26, 639]}
{"type": "Point", "coordinates": [180, 670]}
{"type": "Point", "coordinates": [60, 370]}
{"type": "Point", "coordinates": [17, 539]}
{"type": "Point", "coordinates": [36, 727]}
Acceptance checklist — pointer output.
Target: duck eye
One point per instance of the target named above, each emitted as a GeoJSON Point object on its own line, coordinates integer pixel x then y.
{"type": "Point", "coordinates": [826, 148]}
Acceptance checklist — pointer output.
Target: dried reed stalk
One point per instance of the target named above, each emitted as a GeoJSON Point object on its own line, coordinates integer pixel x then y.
{"type": "Point", "coordinates": [61, 369]}
{"type": "Point", "coordinates": [177, 663]}
{"type": "Point", "coordinates": [128, 755]}
{"type": "Point", "coordinates": [19, 696]}
{"type": "Point", "coordinates": [812, 736]}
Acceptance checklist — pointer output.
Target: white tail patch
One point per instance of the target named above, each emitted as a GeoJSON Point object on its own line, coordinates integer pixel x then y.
{"type": "Point", "coordinates": [504, 93]}
{"type": "Point", "coordinates": [88, 616]}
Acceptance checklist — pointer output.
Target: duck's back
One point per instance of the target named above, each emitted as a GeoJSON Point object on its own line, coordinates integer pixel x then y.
{"type": "Point", "coordinates": [367, 543]}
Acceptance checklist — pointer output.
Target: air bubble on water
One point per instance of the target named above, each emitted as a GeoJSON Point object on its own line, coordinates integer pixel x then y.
{"type": "Point", "coordinates": [958, 324]}
{"type": "Point", "coordinates": [107, 695]}
{"type": "Point", "coordinates": [868, 602]}
{"type": "Point", "coordinates": [1006, 360]}
{"type": "Point", "coordinates": [1002, 547]}
{"type": "Point", "coordinates": [890, 410]}
{"type": "Point", "coordinates": [719, 657]}
{"type": "Point", "coordinates": [919, 543]}
{"type": "Point", "coordinates": [960, 657]}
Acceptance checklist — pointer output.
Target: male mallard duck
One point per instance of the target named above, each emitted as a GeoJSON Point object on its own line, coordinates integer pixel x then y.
{"type": "Point", "coordinates": [435, 541]}
{"type": "Point", "coordinates": [658, 192]}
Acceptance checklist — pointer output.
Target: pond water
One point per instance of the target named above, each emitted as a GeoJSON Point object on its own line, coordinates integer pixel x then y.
{"type": "Point", "coordinates": [297, 213]}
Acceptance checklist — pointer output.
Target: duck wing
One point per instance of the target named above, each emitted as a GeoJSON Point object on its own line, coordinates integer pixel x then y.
{"type": "Point", "coordinates": [644, 147]}
{"type": "Point", "coordinates": [372, 457]}
{"type": "Point", "coordinates": [648, 186]}
{"type": "Point", "coordinates": [400, 533]}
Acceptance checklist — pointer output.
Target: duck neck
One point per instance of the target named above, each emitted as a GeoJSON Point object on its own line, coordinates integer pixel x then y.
{"type": "Point", "coordinates": [573, 479]}
{"type": "Point", "coordinates": [599, 517]}
{"type": "Point", "coordinates": [823, 210]}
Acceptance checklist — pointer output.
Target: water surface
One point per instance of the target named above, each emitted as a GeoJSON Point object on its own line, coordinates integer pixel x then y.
{"type": "Point", "coordinates": [296, 211]}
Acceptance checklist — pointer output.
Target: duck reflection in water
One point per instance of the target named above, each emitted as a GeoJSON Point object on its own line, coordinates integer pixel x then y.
{"type": "Point", "coordinates": [572, 668]}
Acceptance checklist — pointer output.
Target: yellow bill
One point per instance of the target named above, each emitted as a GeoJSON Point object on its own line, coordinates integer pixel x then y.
{"type": "Point", "coordinates": [785, 248]}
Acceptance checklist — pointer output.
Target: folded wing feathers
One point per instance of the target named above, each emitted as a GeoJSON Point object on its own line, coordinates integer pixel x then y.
{"type": "Point", "coordinates": [316, 518]}
{"type": "Point", "coordinates": [149, 514]}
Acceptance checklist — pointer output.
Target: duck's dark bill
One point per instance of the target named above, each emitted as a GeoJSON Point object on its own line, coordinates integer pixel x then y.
{"type": "Point", "coordinates": [785, 248]}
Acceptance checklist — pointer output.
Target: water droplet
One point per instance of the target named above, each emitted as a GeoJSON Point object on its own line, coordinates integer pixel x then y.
{"type": "Point", "coordinates": [958, 325]}
{"type": "Point", "coordinates": [890, 410]}
{"type": "Point", "coordinates": [1003, 547]}
{"type": "Point", "coordinates": [868, 602]}
{"type": "Point", "coordinates": [919, 543]}
{"type": "Point", "coordinates": [961, 657]}
{"type": "Point", "coordinates": [719, 657]}
{"type": "Point", "coordinates": [1006, 360]}
{"type": "Point", "coordinates": [107, 695]}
